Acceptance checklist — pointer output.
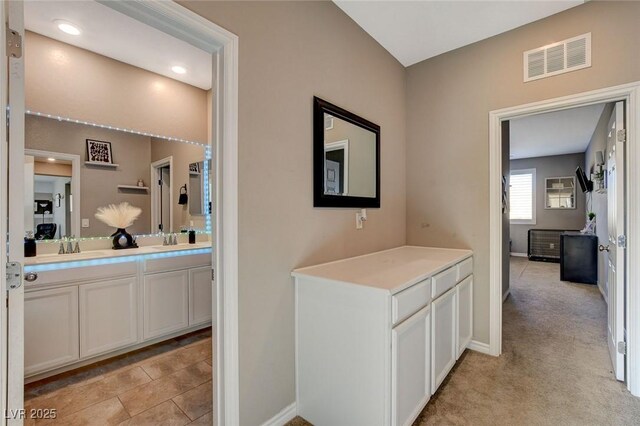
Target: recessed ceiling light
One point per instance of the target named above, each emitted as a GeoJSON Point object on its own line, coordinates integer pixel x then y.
{"type": "Point", "coordinates": [178, 69]}
{"type": "Point", "coordinates": [51, 159]}
{"type": "Point", "coordinates": [67, 27]}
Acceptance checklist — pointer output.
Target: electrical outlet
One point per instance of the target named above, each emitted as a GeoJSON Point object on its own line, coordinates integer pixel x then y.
{"type": "Point", "coordinates": [551, 245]}
{"type": "Point", "coordinates": [85, 223]}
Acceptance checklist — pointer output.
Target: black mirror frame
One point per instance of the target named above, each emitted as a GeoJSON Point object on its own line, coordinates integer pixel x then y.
{"type": "Point", "coordinates": [320, 199]}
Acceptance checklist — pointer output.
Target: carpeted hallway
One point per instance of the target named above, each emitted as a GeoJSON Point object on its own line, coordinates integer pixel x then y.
{"type": "Point", "coordinates": [555, 367]}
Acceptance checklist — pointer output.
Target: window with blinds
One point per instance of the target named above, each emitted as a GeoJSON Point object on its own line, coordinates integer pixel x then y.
{"type": "Point", "coordinates": [522, 196]}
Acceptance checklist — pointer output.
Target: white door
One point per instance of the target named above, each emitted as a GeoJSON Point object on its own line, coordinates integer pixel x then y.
{"type": "Point", "coordinates": [616, 247]}
{"type": "Point", "coordinates": [51, 331]}
{"type": "Point", "coordinates": [465, 314]}
{"type": "Point", "coordinates": [165, 303]}
{"type": "Point", "coordinates": [411, 367]}
{"type": "Point", "coordinates": [108, 315]}
{"type": "Point", "coordinates": [200, 295]}
{"type": "Point", "coordinates": [11, 188]}
{"type": "Point", "coordinates": [443, 337]}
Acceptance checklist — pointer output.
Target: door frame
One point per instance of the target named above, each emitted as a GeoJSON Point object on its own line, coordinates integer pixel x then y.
{"type": "Point", "coordinates": [155, 192]}
{"type": "Point", "coordinates": [180, 22]}
{"type": "Point", "coordinates": [75, 182]}
{"type": "Point", "coordinates": [630, 93]}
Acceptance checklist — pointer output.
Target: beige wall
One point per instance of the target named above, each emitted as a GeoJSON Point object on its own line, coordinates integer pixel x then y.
{"type": "Point", "coordinates": [65, 80]}
{"type": "Point", "coordinates": [568, 219]}
{"type": "Point", "coordinates": [51, 169]}
{"type": "Point", "coordinates": [289, 52]}
{"type": "Point", "coordinates": [448, 101]}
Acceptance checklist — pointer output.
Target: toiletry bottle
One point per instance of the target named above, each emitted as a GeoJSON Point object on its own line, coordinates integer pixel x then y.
{"type": "Point", "coordinates": [192, 236]}
{"type": "Point", "coordinates": [29, 245]}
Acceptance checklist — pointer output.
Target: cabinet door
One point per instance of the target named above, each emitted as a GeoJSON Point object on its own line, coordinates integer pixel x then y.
{"type": "Point", "coordinates": [50, 329]}
{"type": "Point", "coordinates": [465, 314]}
{"type": "Point", "coordinates": [443, 337]}
{"type": "Point", "coordinates": [200, 290]}
{"type": "Point", "coordinates": [411, 369]}
{"type": "Point", "coordinates": [108, 315]}
{"type": "Point", "coordinates": [166, 303]}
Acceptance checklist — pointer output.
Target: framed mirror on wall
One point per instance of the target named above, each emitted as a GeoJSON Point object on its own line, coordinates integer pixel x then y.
{"type": "Point", "coordinates": [346, 158]}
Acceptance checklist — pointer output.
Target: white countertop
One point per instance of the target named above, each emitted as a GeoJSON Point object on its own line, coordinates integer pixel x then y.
{"type": "Point", "coordinates": [110, 253]}
{"type": "Point", "coordinates": [393, 270]}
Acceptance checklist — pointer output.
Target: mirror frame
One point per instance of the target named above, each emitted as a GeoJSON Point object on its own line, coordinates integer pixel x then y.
{"type": "Point", "coordinates": [320, 199]}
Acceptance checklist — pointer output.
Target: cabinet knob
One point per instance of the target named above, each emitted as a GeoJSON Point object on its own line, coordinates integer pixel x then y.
{"type": "Point", "coordinates": [30, 276]}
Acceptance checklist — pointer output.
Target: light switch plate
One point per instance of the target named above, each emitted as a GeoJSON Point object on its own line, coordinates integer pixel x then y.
{"type": "Point", "coordinates": [85, 223]}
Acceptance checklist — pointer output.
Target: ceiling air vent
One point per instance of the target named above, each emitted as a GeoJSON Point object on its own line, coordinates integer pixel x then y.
{"type": "Point", "coordinates": [558, 58]}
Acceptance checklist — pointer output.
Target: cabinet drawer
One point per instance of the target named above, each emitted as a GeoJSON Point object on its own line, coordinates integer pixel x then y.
{"type": "Point", "coordinates": [444, 281]}
{"type": "Point", "coordinates": [408, 301]}
{"type": "Point", "coordinates": [465, 268]}
{"type": "Point", "coordinates": [177, 262]}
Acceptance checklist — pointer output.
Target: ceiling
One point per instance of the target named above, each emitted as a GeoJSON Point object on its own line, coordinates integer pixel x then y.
{"type": "Point", "coordinates": [562, 132]}
{"type": "Point", "coordinates": [413, 31]}
{"type": "Point", "coordinates": [112, 34]}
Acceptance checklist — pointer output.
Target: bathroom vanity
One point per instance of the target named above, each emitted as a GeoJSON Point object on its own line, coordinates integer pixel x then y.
{"type": "Point", "coordinates": [93, 305]}
{"type": "Point", "coordinates": [377, 334]}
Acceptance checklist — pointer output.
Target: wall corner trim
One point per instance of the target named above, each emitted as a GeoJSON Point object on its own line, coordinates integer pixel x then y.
{"type": "Point", "coordinates": [483, 348]}
{"type": "Point", "coordinates": [287, 414]}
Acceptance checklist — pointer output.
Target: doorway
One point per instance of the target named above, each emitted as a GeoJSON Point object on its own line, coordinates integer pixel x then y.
{"type": "Point", "coordinates": [162, 196]}
{"type": "Point", "coordinates": [629, 95]}
{"type": "Point", "coordinates": [560, 265]}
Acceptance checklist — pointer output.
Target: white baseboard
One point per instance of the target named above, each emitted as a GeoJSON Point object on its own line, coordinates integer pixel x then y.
{"type": "Point", "coordinates": [506, 294]}
{"type": "Point", "coordinates": [287, 414]}
{"type": "Point", "coordinates": [518, 254]}
{"type": "Point", "coordinates": [479, 347]}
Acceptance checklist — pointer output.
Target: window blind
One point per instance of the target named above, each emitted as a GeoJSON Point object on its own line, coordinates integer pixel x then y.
{"type": "Point", "coordinates": [521, 196]}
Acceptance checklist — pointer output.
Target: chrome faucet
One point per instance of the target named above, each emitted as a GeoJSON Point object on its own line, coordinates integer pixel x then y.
{"type": "Point", "coordinates": [70, 245]}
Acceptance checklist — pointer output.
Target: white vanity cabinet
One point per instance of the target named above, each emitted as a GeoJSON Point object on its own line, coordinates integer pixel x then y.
{"type": "Point", "coordinates": [410, 367]}
{"type": "Point", "coordinates": [377, 334]}
{"type": "Point", "coordinates": [75, 316]}
{"type": "Point", "coordinates": [444, 331]}
{"type": "Point", "coordinates": [464, 297]}
{"type": "Point", "coordinates": [200, 295]}
{"type": "Point", "coordinates": [108, 315]}
{"type": "Point", "coordinates": [166, 302]}
{"type": "Point", "coordinates": [50, 329]}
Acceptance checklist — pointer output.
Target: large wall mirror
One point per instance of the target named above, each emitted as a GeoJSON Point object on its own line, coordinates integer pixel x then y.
{"type": "Point", "coordinates": [72, 168]}
{"type": "Point", "coordinates": [346, 158]}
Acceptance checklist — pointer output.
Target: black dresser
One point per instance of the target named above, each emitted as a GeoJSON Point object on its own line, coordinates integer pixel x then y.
{"type": "Point", "coordinates": [579, 257]}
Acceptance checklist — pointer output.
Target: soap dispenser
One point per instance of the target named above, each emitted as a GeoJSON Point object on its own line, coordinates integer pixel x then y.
{"type": "Point", "coordinates": [29, 245]}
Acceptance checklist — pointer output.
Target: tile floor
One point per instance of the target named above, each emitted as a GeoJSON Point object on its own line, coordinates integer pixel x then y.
{"type": "Point", "coordinates": [165, 384]}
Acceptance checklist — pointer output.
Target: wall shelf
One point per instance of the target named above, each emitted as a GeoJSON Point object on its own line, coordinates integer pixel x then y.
{"type": "Point", "coordinates": [99, 164]}
{"type": "Point", "coordinates": [134, 187]}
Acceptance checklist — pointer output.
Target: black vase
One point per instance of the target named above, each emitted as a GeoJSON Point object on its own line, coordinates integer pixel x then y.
{"type": "Point", "coordinates": [123, 240]}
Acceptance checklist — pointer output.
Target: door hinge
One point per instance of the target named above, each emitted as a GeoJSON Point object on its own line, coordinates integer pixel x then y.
{"type": "Point", "coordinates": [621, 135]}
{"type": "Point", "coordinates": [213, 275]}
{"type": "Point", "coordinates": [14, 275]}
{"type": "Point", "coordinates": [622, 241]}
{"type": "Point", "coordinates": [14, 44]}
{"type": "Point", "coordinates": [622, 348]}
